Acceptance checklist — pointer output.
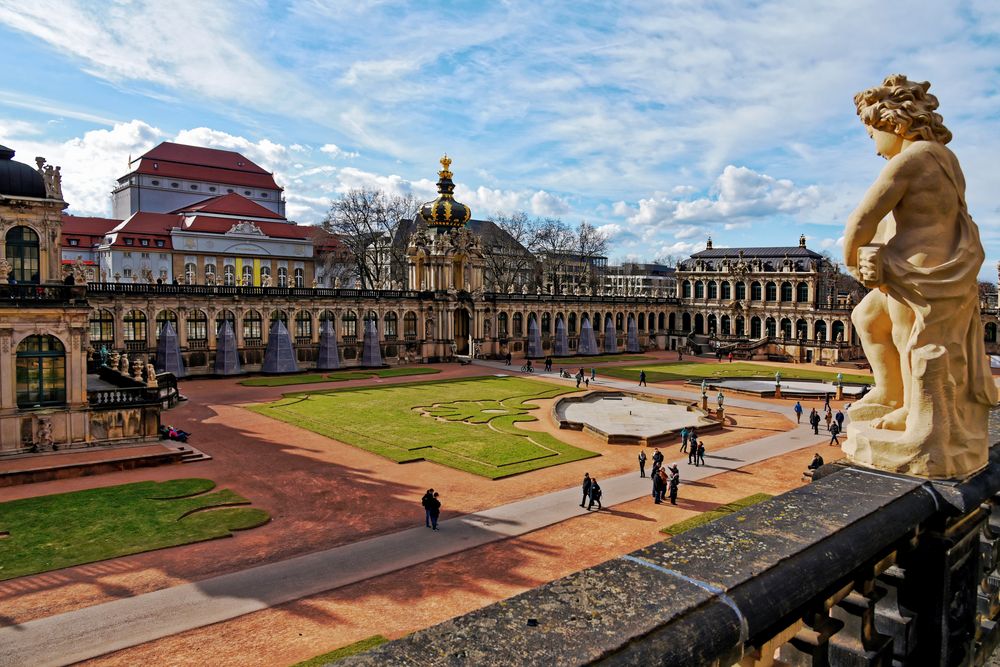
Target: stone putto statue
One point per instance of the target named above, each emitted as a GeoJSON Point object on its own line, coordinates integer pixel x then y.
{"type": "Point", "coordinates": [912, 241]}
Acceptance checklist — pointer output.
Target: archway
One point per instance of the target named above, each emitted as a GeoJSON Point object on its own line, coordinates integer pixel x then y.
{"type": "Point", "coordinates": [463, 338]}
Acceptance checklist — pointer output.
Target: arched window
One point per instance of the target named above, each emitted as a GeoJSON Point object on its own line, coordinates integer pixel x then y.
{"type": "Point", "coordinates": [277, 315]}
{"type": "Point", "coordinates": [755, 291]}
{"type": "Point", "coordinates": [518, 324]}
{"type": "Point", "coordinates": [619, 322]}
{"type": "Point", "coordinates": [802, 293]}
{"type": "Point", "coordinates": [210, 273]}
{"type": "Point", "coordinates": [770, 327]}
{"type": "Point", "coordinates": [546, 324]}
{"type": "Point", "coordinates": [571, 326]}
{"type": "Point", "coordinates": [252, 327]}
{"type": "Point", "coordinates": [686, 289]}
{"type": "Point", "coordinates": [641, 322]}
{"type": "Point", "coordinates": [299, 278]}
{"type": "Point", "coordinates": [686, 322]}
{"type": "Point", "coordinates": [41, 371]}
{"type": "Point", "coordinates": [21, 250]}
{"type": "Point", "coordinates": [659, 319]}
{"type": "Point", "coordinates": [801, 329]}
{"type": "Point", "coordinates": [190, 273]}
{"type": "Point", "coordinates": [724, 324]}
{"type": "Point", "coordinates": [991, 332]}
{"type": "Point", "coordinates": [371, 316]}
{"type": "Point", "coordinates": [224, 316]}
{"type": "Point", "coordinates": [391, 325]}
{"type": "Point", "coordinates": [247, 275]}
{"type": "Point", "coordinates": [755, 327]}
{"type": "Point", "coordinates": [820, 330]}
{"type": "Point", "coordinates": [837, 330]}
{"type": "Point", "coordinates": [265, 275]}
{"type": "Point", "coordinates": [713, 289]}
{"type": "Point", "coordinates": [699, 290]}
{"type": "Point", "coordinates": [741, 291]}
{"type": "Point", "coordinates": [135, 325]}
{"type": "Point", "coordinates": [727, 290]}
{"type": "Point", "coordinates": [502, 329]}
{"type": "Point", "coordinates": [197, 325]}
{"type": "Point", "coordinates": [303, 324]}
{"type": "Point", "coordinates": [162, 318]}
{"type": "Point", "coordinates": [349, 323]}
{"type": "Point", "coordinates": [741, 327]}
{"type": "Point", "coordinates": [786, 291]}
{"type": "Point", "coordinates": [771, 292]}
{"type": "Point", "coordinates": [328, 316]}
{"type": "Point", "coordinates": [786, 327]}
{"type": "Point", "coordinates": [410, 325]}
{"type": "Point", "coordinates": [712, 326]}
{"type": "Point", "coordinates": [102, 328]}
{"type": "Point", "coordinates": [229, 274]}
{"type": "Point", "coordinates": [282, 277]}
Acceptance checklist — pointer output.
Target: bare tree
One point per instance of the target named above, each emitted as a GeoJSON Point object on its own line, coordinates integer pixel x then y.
{"type": "Point", "coordinates": [554, 243]}
{"type": "Point", "coordinates": [590, 245]}
{"type": "Point", "coordinates": [670, 261]}
{"type": "Point", "coordinates": [508, 242]}
{"type": "Point", "coordinates": [368, 223]}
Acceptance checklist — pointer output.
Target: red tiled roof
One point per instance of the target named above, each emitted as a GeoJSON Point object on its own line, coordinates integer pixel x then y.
{"type": "Point", "coordinates": [213, 225]}
{"type": "Point", "coordinates": [86, 231]}
{"type": "Point", "coordinates": [145, 225]}
{"type": "Point", "coordinates": [209, 174]}
{"type": "Point", "coordinates": [231, 204]}
{"type": "Point", "coordinates": [203, 157]}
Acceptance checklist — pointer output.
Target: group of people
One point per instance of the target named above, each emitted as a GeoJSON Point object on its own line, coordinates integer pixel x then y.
{"type": "Point", "coordinates": [591, 492]}
{"type": "Point", "coordinates": [582, 377]}
{"type": "Point", "coordinates": [171, 433]}
{"type": "Point", "coordinates": [834, 422]}
{"type": "Point", "coordinates": [694, 447]}
{"type": "Point", "coordinates": [665, 482]}
{"type": "Point", "coordinates": [719, 356]}
{"type": "Point", "coordinates": [432, 508]}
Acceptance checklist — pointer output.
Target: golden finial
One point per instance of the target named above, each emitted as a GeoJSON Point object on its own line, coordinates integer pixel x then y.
{"type": "Point", "coordinates": [445, 162]}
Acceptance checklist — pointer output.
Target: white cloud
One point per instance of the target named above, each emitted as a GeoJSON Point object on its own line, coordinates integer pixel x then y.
{"type": "Point", "coordinates": [829, 244]}
{"type": "Point", "coordinates": [335, 151]}
{"type": "Point", "coordinates": [547, 204]}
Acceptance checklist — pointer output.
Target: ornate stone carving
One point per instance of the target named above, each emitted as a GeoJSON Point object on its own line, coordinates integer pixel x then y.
{"type": "Point", "coordinates": [52, 177]}
{"type": "Point", "coordinates": [45, 441]}
{"type": "Point", "coordinates": [246, 228]}
{"type": "Point", "coordinates": [912, 241]}
{"type": "Point", "coordinates": [151, 376]}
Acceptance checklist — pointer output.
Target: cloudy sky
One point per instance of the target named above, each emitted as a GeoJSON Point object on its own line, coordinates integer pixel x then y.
{"type": "Point", "coordinates": [663, 122]}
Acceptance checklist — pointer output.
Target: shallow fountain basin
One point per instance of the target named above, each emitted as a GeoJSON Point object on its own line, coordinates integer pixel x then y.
{"type": "Point", "coordinates": [630, 419]}
{"type": "Point", "coordinates": [789, 388]}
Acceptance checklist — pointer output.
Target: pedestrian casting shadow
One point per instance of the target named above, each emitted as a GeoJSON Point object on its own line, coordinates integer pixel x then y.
{"type": "Point", "coordinates": [705, 485]}
{"type": "Point", "coordinates": [737, 470]}
{"type": "Point", "coordinates": [625, 515]}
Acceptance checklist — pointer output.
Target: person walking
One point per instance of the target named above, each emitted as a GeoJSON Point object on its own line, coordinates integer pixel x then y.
{"type": "Point", "coordinates": [642, 463]}
{"type": "Point", "coordinates": [680, 355]}
{"type": "Point", "coordinates": [434, 507]}
{"type": "Point", "coordinates": [586, 382]}
{"type": "Point", "coordinates": [730, 357]}
{"type": "Point", "coordinates": [814, 421]}
{"type": "Point", "coordinates": [684, 439]}
{"type": "Point", "coordinates": [834, 432]}
{"type": "Point", "coordinates": [674, 482]}
{"type": "Point", "coordinates": [798, 412]}
{"type": "Point", "coordinates": [701, 454]}
{"type": "Point", "coordinates": [826, 406]}
{"type": "Point", "coordinates": [587, 483]}
{"type": "Point", "coordinates": [657, 488]}
{"type": "Point", "coordinates": [578, 379]}
{"type": "Point", "coordinates": [426, 502]}
{"type": "Point", "coordinates": [840, 420]}
{"type": "Point", "coordinates": [593, 373]}
{"type": "Point", "coordinates": [507, 359]}
{"type": "Point", "coordinates": [693, 449]}
{"type": "Point", "coordinates": [642, 379]}
{"type": "Point", "coordinates": [828, 417]}
{"type": "Point", "coordinates": [595, 495]}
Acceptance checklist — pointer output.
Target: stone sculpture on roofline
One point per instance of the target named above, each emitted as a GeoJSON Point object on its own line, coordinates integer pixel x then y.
{"type": "Point", "coordinates": [912, 241]}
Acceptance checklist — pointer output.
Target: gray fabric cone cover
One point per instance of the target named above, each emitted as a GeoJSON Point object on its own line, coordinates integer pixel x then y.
{"type": "Point", "coordinates": [588, 342]}
{"type": "Point", "coordinates": [560, 346]}
{"type": "Point", "coordinates": [168, 352]}
{"type": "Point", "coordinates": [227, 357]}
{"type": "Point", "coordinates": [610, 336]}
{"type": "Point", "coordinates": [371, 354]}
{"type": "Point", "coordinates": [534, 339]}
{"type": "Point", "coordinates": [328, 358]}
{"type": "Point", "coordinates": [632, 342]}
{"type": "Point", "coordinates": [279, 357]}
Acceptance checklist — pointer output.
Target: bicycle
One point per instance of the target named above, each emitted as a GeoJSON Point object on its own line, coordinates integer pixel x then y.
{"type": "Point", "coordinates": [527, 369]}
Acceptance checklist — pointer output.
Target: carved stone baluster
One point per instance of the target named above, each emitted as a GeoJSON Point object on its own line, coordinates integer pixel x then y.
{"type": "Point", "coordinates": [893, 618]}
{"type": "Point", "coordinates": [858, 643]}
{"type": "Point", "coordinates": [810, 645]}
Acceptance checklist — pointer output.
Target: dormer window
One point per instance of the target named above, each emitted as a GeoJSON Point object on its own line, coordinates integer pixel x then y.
{"type": "Point", "coordinates": [160, 243]}
{"type": "Point", "coordinates": [154, 182]}
{"type": "Point", "coordinates": [144, 242]}
{"type": "Point", "coordinates": [129, 241]}
{"type": "Point", "coordinates": [74, 241]}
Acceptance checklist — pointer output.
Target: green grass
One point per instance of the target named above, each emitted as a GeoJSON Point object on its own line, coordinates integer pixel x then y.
{"type": "Point", "coordinates": [65, 529]}
{"type": "Point", "coordinates": [343, 652]}
{"type": "Point", "coordinates": [338, 376]}
{"type": "Point", "coordinates": [689, 371]}
{"type": "Point", "coordinates": [712, 515]}
{"type": "Point", "coordinates": [467, 424]}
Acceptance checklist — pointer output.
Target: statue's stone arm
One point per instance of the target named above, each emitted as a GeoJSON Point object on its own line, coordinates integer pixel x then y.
{"type": "Point", "coordinates": [883, 195]}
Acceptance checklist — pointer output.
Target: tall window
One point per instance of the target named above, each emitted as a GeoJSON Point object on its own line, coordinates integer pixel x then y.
{"type": "Point", "coordinates": [727, 291]}
{"type": "Point", "coordinates": [350, 322]}
{"type": "Point", "coordinates": [571, 326]}
{"type": "Point", "coordinates": [391, 325]}
{"type": "Point", "coordinates": [190, 273]}
{"type": "Point", "coordinates": [786, 291]}
{"type": "Point", "coordinates": [410, 325]}
{"type": "Point", "coordinates": [265, 271]}
{"type": "Point", "coordinates": [282, 277]}
{"type": "Point", "coordinates": [102, 328]}
{"type": "Point", "coordinates": [197, 325]}
{"type": "Point", "coordinates": [755, 291]}
{"type": "Point", "coordinates": [224, 316]}
{"type": "Point", "coordinates": [162, 318]}
{"type": "Point", "coordinates": [252, 325]}
{"type": "Point", "coordinates": [802, 293]}
{"type": "Point", "coordinates": [328, 316]}
{"type": "Point", "coordinates": [770, 292]}
{"type": "Point", "coordinates": [135, 325]}
{"type": "Point", "coordinates": [713, 289]}
{"type": "Point", "coordinates": [210, 271]}
{"type": "Point", "coordinates": [518, 324]}
{"type": "Point", "coordinates": [22, 253]}
{"type": "Point", "coordinates": [300, 278]}
{"type": "Point", "coordinates": [303, 324]}
{"type": "Point", "coordinates": [41, 371]}
{"type": "Point", "coordinates": [280, 315]}
{"type": "Point", "coordinates": [502, 325]}
{"type": "Point", "coordinates": [699, 290]}
{"type": "Point", "coordinates": [247, 275]}
{"type": "Point", "coordinates": [741, 291]}
{"type": "Point", "coordinates": [229, 274]}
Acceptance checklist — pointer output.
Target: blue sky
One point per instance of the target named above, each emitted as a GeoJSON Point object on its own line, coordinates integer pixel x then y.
{"type": "Point", "coordinates": [661, 122]}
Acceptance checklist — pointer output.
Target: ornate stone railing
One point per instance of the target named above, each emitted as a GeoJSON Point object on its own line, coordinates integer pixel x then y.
{"type": "Point", "coordinates": [579, 298]}
{"type": "Point", "coordinates": [235, 290]}
{"type": "Point", "coordinates": [122, 397]}
{"type": "Point", "coordinates": [857, 568]}
{"type": "Point", "coordinates": [28, 294]}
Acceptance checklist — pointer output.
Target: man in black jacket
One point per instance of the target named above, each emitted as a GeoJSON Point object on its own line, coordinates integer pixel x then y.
{"type": "Point", "coordinates": [595, 495]}
{"type": "Point", "coordinates": [425, 501]}
{"type": "Point", "coordinates": [674, 481]}
{"type": "Point", "coordinates": [586, 488]}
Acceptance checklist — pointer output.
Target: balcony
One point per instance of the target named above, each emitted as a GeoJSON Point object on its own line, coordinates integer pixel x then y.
{"type": "Point", "coordinates": [27, 295]}
{"type": "Point", "coordinates": [857, 568]}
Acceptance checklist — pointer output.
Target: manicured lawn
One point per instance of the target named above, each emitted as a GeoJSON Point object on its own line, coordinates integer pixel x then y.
{"type": "Point", "coordinates": [712, 515]}
{"type": "Point", "coordinates": [65, 529]}
{"type": "Point", "coordinates": [688, 371]}
{"type": "Point", "coordinates": [468, 424]}
{"type": "Point", "coordinates": [337, 376]}
{"type": "Point", "coordinates": [343, 652]}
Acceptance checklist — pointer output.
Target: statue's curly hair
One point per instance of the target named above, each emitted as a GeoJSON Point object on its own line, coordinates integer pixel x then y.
{"type": "Point", "coordinates": [904, 108]}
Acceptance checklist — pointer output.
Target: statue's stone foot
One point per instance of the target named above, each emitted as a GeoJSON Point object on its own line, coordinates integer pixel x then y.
{"type": "Point", "coordinates": [866, 410]}
{"type": "Point", "coordinates": [894, 421]}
